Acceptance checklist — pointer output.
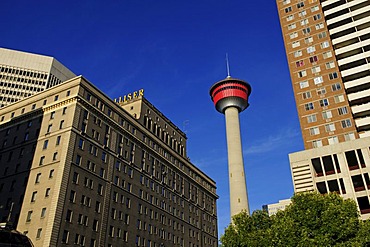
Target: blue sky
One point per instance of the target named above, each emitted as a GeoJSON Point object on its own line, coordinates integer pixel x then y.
{"type": "Point", "coordinates": [175, 50]}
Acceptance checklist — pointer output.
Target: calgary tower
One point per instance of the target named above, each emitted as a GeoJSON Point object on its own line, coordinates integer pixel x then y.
{"type": "Point", "coordinates": [230, 97]}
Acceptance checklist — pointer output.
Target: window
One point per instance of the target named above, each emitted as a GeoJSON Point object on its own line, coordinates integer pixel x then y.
{"type": "Point", "coordinates": [75, 178]}
{"type": "Point", "coordinates": [78, 159]}
{"type": "Point", "coordinates": [302, 13]}
{"type": "Point", "coordinates": [297, 53]}
{"type": "Point", "coordinates": [293, 35]}
{"type": "Point", "coordinates": [327, 54]}
{"type": "Point", "coordinates": [333, 75]}
{"type": "Point", "coordinates": [100, 189]}
{"type": "Point", "coordinates": [306, 30]}
{"type": "Point", "coordinates": [314, 131]}
{"type": "Point", "coordinates": [316, 143]}
{"type": "Point", "coordinates": [33, 197]}
{"type": "Point", "coordinates": [304, 22]}
{"type": "Point", "coordinates": [104, 157]}
{"type": "Point", "coordinates": [336, 87]}
{"type": "Point", "coordinates": [69, 215]}
{"type": "Point", "coordinates": [330, 65]}
{"type": "Point", "coordinates": [42, 159]}
{"type": "Point", "coordinates": [292, 26]}
{"type": "Point", "coordinates": [311, 118]}
{"type": "Point", "coordinates": [329, 127]}
{"type": "Point", "coordinates": [300, 4]}
{"type": "Point", "coordinates": [311, 49]}
{"type": "Point", "coordinates": [38, 176]}
{"type": "Point", "coordinates": [49, 128]}
{"type": "Point", "coordinates": [308, 106]}
{"type": "Point", "coordinates": [322, 35]}
{"type": "Point", "coordinates": [315, 69]}
{"type": "Point", "coordinates": [64, 110]}
{"type": "Point", "coordinates": [302, 73]}
{"type": "Point", "coordinates": [317, 17]}
{"type": "Point", "coordinates": [72, 196]}
{"type": "Point", "coordinates": [61, 124]}
{"type": "Point", "coordinates": [333, 140]}
{"type": "Point", "coordinates": [308, 40]}
{"type": "Point", "coordinates": [324, 102]}
{"type": "Point", "coordinates": [51, 173]}
{"type": "Point", "coordinates": [324, 44]}
{"type": "Point", "coordinates": [56, 97]}
{"type": "Point", "coordinates": [43, 212]}
{"type": "Point", "coordinates": [58, 140]}
{"type": "Point", "coordinates": [285, 2]}
{"type": "Point", "coordinates": [29, 216]}
{"type": "Point", "coordinates": [288, 9]}
{"type": "Point", "coordinates": [45, 146]}
{"type": "Point", "coordinates": [65, 236]}
{"type": "Point", "coordinates": [47, 192]}
{"type": "Point", "coordinates": [319, 26]}
{"type": "Point", "coordinates": [313, 59]}
{"type": "Point", "coordinates": [349, 136]}
{"type": "Point", "coordinates": [314, 8]}
{"type": "Point", "coordinates": [52, 115]}
{"type": "Point", "coordinates": [295, 44]}
{"type": "Point", "coordinates": [321, 91]}
{"type": "Point", "coordinates": [290, 17]}
{"type": "Point", "coordinates": [306, 95]}
{"type": "Point", "coordinates": [346, 123]}
{"type": "Point", "coordinates": [102, 172]}
{"type": "Point", "coordinates": [318, 80]}
{"type": "Point", "coordinates": [26, 136]}
{"type": "Point", "coordinates": [299, 63]}
{"type": "Point", "coordinates": [81, 143]}
{"type": "Point", "coordinates": [55, 156]}
{"type": "Point", "coordinates": [342, 110]}
{"type": "Point", "coordinates": [327, 114]}
{"type": "Point", "coordinates": [303, 84]}
{"type": "Point", "coordinates": [338, 98]}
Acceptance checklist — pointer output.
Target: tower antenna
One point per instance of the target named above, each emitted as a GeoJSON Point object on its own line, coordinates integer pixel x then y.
{"type": "Point", "coordinates": [227, 66]}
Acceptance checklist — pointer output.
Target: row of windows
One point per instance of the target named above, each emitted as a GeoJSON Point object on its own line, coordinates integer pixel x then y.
{"type": "Point", "coordinates": [333, 140]}
{"type": "Point", "coordinates": [323, 102]}
{"type": "Point", "coordinates": [327, 114]}
{"type": "Point", "coordinates": [330, 127]}
{"type": "Point", "coordinates": [33, 106]}
{"type": "Point", "coordinates": [23, 72]}
{"type": "Point", "coordinates": [322, 91]}
{"type": "Point", "coordinates": [301, 13]}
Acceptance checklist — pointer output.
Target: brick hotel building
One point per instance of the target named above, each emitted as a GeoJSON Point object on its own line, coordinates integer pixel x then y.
{"type": "Point", "coordinates": [327, 45]}
{"type": "Point", "coordinates": [77, 168]}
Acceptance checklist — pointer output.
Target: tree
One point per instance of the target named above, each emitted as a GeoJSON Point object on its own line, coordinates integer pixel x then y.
{"type": "Point", "coordinates": [311, 220]}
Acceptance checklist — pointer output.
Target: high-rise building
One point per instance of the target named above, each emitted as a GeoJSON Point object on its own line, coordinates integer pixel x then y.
{"type": "Point", "coordinates": [230, 96]}
{"type": "Point", "coordinates": [327, 46]}
{"type": "Point", "coordinates": [77, 168]}
{"type": "Point", "coordinates": [23, 74]}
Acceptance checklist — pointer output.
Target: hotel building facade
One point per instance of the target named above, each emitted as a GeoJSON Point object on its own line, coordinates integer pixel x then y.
{"type": "Point", "coordinates": [77, 168]}
{"type": "Point", "coordinates": [327, 47]}
{"type": "Point", "coordinates": [23, 74]}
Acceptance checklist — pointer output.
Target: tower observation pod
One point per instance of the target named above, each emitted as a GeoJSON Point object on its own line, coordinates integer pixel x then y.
{"type": "Point", "coordinates": [230, 96]}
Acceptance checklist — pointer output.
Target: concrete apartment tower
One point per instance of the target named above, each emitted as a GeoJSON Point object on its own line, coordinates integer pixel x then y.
{"type": "Point", "coordinates": [327, 45]}
{"type": "Point", "coordinates": [23, 74]}
{"type": "Point", "coordinates": [230, 96]}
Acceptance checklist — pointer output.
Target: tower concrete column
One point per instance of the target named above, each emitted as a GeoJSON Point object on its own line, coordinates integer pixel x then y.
{"type": "Point", "coordinates": [230, 97]}
{"type": "Point", "coordinates": [237, 183]}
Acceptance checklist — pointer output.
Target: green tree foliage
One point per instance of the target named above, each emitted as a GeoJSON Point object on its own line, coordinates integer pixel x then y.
{"type": "Point", "coordinates": [311, 220]}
